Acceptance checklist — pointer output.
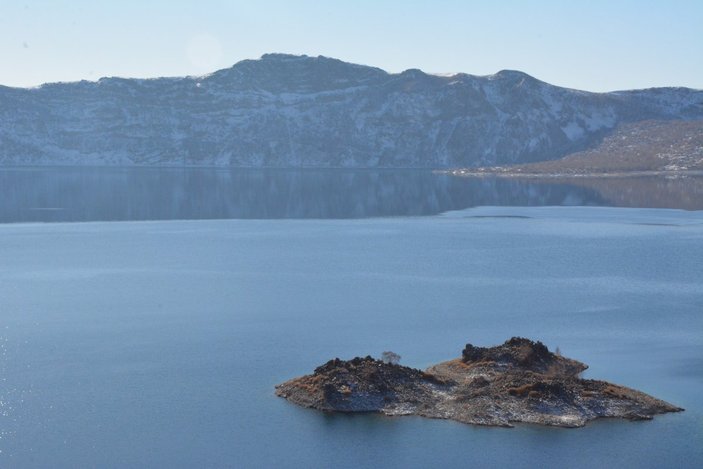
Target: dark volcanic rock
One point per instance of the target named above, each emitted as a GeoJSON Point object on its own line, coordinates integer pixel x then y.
{"type": "Point", "coordinates": [525, 354]}
{"type": "Point", "coordinates": [518, 381]}
{"type": "Point", "coordinates": [361, 385]}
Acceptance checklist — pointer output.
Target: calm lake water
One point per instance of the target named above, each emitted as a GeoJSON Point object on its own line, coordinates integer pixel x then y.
{"type": "Point", "coordinates": [111, 194]}
{"type": "Point", "coordinates": [158, 344]}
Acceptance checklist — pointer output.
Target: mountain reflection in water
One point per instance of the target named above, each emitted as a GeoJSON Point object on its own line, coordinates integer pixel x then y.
{"type": "Point", "coordinates": [103, 194]}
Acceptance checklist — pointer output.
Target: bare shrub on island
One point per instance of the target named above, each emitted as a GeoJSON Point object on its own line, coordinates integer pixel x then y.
{"type": "Point", "coordinates": [391, 358]}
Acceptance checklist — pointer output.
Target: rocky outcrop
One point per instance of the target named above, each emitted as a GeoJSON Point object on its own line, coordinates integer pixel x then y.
{"type": "Point", "coordinates": [518, 381]}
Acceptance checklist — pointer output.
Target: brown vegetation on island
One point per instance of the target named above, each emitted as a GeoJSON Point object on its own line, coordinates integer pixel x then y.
{"type": "Point", "coordinates": [518, 381]}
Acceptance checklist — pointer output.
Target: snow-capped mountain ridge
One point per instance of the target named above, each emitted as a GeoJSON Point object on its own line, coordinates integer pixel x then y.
{"type": "Point", "coordinates": [298, 111]}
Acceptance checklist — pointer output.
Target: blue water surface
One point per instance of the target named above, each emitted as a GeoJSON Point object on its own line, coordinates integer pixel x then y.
{"type": "Point", "coordinates": [158, 344]}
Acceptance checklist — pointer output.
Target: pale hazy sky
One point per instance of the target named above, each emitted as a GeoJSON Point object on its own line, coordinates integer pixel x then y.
{"type": "Point", "coordinates": [594, 45]}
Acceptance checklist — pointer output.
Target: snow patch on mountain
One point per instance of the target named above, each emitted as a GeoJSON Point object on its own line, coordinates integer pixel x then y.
{"type": "Point", "coordinates": [299, 111]}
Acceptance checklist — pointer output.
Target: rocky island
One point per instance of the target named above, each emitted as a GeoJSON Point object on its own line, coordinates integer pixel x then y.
{"type": "Point", "coordinates": [518, 381]}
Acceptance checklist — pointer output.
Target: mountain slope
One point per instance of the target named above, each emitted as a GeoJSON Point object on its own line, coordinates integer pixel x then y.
{"type": "Point", "coordinates": [636, 147]}
{"type": "Point", "coordinates": [299, 111]}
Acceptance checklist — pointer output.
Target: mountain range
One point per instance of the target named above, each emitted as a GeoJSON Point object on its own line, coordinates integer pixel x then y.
{"type": "Point", "coordinates": [299, 111]}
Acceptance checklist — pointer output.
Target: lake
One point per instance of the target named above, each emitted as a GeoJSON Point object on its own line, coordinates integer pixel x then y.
{"type": "Point", "coordinates": [158, 343]}
{"type": "Point", "coordinates": [36, 194]}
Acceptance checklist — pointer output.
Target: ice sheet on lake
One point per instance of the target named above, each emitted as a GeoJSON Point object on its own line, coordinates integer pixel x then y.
{"type": "Point", "coordinates": [646, 216]}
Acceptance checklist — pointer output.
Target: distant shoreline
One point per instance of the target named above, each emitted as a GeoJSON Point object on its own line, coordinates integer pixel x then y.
{"type": "Point", "coordinates": [512, 173]}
